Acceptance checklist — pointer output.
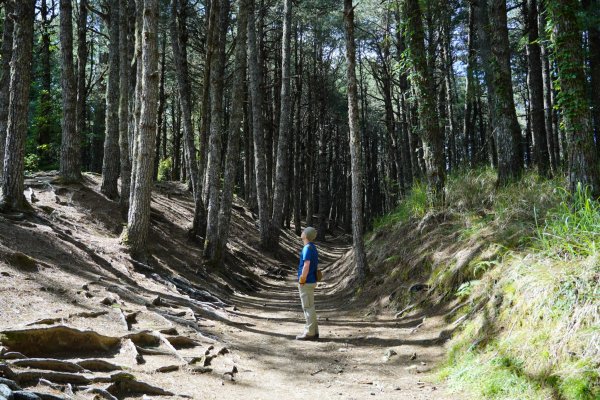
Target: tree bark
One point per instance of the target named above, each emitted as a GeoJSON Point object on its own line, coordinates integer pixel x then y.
{"type": "Point", "coordinates": [138, 225]}
{"type": "Point", "coordinates": [213, 163]}
{"type": "Point", "coordinates": [20, 81]}
{"type": "Point", "coordinates": [355, 146]}
{"type": "Point", "coordinates": [506, 126]}
{"type": "Point", "coordinates": [179, 45]}
{"type": "Point", "coordinates": [260, 172]}
{"type": "Point", "coordinates": [235, 126]}
{"type": "Point", "coordinates": [283, 140]}
{"type": "Point", "coordinates": [46, 102]}
{"type": "Point", "coordinates": [110, 163]}
{"type": "Point", "coordinates": [82, 55]}
{"type": "Point", "coordinates": [161, 104]}
{"type": "Point", "coordinates": [423, 83]}
{"type": "Point", "coordinates": [592, 7]}
{"type": "Point", "coordinates": [124, 71]}
{"type": "Point", "coordinates": [536, 90]}
{"type": "Point", "coordinates": [7, 43]}
{"type": "Point", "coordinates": [566, 37]}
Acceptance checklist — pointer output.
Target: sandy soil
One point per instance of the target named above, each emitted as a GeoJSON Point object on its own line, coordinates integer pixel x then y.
{"type": "Point", "coordinates": [196, 332]}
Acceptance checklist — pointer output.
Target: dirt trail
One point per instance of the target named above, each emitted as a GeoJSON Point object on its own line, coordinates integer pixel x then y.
{"type": "Point", "coordinates": [356, 357]}
{"type": "Point", "coordinates": [79, 319]}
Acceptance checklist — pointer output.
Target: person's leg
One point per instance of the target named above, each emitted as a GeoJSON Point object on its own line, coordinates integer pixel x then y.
{"type": "Point", "coordinates": [307, 297]}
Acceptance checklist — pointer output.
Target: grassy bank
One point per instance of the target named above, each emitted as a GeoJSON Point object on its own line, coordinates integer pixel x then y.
{"type": "Point", "coordinates": [522, 264]}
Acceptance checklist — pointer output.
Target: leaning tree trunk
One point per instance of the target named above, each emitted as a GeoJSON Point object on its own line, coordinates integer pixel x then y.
{"type": "Point", "coordinates": [110, 163]}
{"type": "Point", "coordinates": [179, 45]}
{"type": "Point", "coordinates": [255, 86]}
{"type": "Point", "coordinates": [281, 169]}
{"type": "Point", "coordinates": [20, 81]}
{"type": "Point", "coordinates": [506, 126]}
{"type": "Point", "coordinates": [124, 71]}
{"type": "Point", "coordinates": [138, 224]}
{"type": "Point", "coordinates": [213, 163]}
{"type": "Point", "coordinates": [536, 90]}
{"type": "Point", "coordinates": [70, 149]}
{"type": "Point", "coordinates": [235, 125]}
{"type": "Point", "coordinates": [7, 43]}
{"type": "Point", "coordinates": [355, 146]}
{"type": "Point", "coordinates": [422, 79]}
{"type": "Point", "coordinates": [566, 36]}
{"type": "Point", "coordinates": [82, 53]}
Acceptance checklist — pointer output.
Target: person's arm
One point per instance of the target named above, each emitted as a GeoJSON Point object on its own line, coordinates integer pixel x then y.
{"type": "Point", "coordinates": [305, 269]}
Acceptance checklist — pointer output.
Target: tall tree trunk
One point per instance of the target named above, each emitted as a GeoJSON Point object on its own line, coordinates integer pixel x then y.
{"type": "Point", "coordinates": [423, 83]}
{"type": "Point", "coordinates": [46, 104]}
{"type": "Point", "coordinates": [592, 8]}
{"type": "Point", "coordinates": [5, 56]}
{"type": "Point", "coordinates": [235, 125]}
{"type": "Point", "coordinates": [536, 90]}
{"type": "Point", "coordinates": [179, 38]}
{"type": "Point", "coordinates": [260, 172]}
{"type": "Point", "coordinates": [211, 36]}
{"type": "Point", "coordinates": [139, 210]}
{"type": "Point", "coordinates": [355, 146]}
{"type": "Point", "coordinates": [281, 181]}
{"type": "Point", "coordinates": [82, 55]}
{"type": "Point", "coordinates": [506, 126]}
{"type": "Point", "coordinates": [161, 105]}
{"type": "Point", "coordinates": [70, 152]}
{"type": "Point", "coordinates": [469, 125]}
{"type": "Point", "coordinates": [20, 81]}
{"type": "Point", "coordinates": [213, 164]}
{"type": "Point", "coordinates": [582, 158]}
{"type": "Point", "coordinates": [110, 163]}
{"type": "Point", "coordinates": [124, 71]}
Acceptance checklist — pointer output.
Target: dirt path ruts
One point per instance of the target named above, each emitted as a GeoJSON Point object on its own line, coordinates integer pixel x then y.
{"type": "Point", "coordinates": [354, 358]}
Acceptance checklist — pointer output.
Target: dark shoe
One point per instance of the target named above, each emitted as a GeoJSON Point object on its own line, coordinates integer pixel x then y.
{"type": "Point", "coordinates": [304, 336]}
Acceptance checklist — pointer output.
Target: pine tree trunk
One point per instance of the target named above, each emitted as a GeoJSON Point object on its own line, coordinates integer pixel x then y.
{"type": "Point", "coordinates": [124, 71]}
{"type": "Point", "coordinates": [110, 163]}
{"type": "Point", "coordinates": [179, 44]}
{"type": "Point", "coordinates": [138, 225]}
{"type": "Point", "coordinates": [281, 174]}
{"type": "Point", "coordinates": [582, 158]}
{"type": "Point", "coordinates": [213, 164]}
{"type": "Point", "coordinates": [355, 146]}
{"type": "Point", "coordinates": [468, 125]}
{"type": "Point", "coordinates": [592, 8]}
{"type": "Point", "coordinates": [233, 145]}
{"type": "Point", "coordinates": [82, 55]}
{"type": "Point", "coordinates": [161, 107]}
{"type": "Point", "coordinates": [70, 153]}
{"type": "Point", "coordinates": [46, 102]}
{"type": "Point", "coordinates": [211, 36]}
{"type": "Point", "coordinates": [255, 85]}
{"type": "Point", "coordinates": [506, 126]}
{"type": "Point", "coordinates": [536, 90]}
{"type": "Point", "coordinates": [5, 56]}
{"type": "Point", "coordinates": [422, 79]}
{"type": "Point", "coordinates": [20, 81]}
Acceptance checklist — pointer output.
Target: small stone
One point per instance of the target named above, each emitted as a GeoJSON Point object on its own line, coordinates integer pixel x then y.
{"type": "Point", "coordinates": [5, 392]}
{"type": "Point", "coordinates": [157, 301]}
{"type": "Point", "coordinates": [390, 353]}
{"type": "Point", "coordinates": [89, 295]}
{"type": "Point", "coordinates": [413, 356]}
{"type": "Point", "coordinates": [4, 273]}
{"type": "Point", "coordinates": [12, 385]}
{"type": "Point", "coordinates": [109, 301]}
{"type": "Point", "coordinates": [224, 350]}
{"type": "Point", "coordinates": [23, 395]}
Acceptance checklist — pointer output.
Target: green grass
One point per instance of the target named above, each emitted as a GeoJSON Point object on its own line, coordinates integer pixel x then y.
{"type": "Point", "coordinates": [415, 205]}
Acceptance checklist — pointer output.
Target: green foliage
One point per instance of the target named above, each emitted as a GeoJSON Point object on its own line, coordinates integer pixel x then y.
{"type": "Point", "coordinates": [573, 228]}
{"type": "Point", "coordinates": [165, 167]}
{"type": "Point", "coordinates": [414, 205]}
{"type": "Point", "coordinates": [32, 163]}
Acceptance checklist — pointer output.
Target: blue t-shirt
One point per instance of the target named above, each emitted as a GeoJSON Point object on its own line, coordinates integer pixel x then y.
{"type": "Point", "coordinates": [309, 252]}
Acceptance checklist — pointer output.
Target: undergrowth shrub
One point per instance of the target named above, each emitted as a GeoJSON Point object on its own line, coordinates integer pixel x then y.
{"type": "Point", "coordinates": [164, 169]}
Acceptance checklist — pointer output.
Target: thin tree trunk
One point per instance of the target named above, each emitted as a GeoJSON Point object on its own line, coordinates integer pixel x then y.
{"type": "Point", "coordinates": [124, 61]}
{"type": "Point", "coordinates": [161, 107]}
{"type": "Point", "coordinates": [46, 105]}
{"type": "Point", "coordinates": [110, 164]}
{"type": "Point", "coordinates": [423, 83]}
{"type": "Point", "coordinates": [20, 81]}
{"type": "Point", "coordinates": [235, 125]}
{"type": "Point", "coordinates": [82, 55]}
{"type": "Point", "coordinates": [179, 44]}
{"type": "Point", "coordinates": [468, 125]}
{"type": "Point", "coordinates": [281, 181]}
{"type": "Point", "coordinates": [255, 84]}
{"type": "Point", "coordinates": [566, 36]}
{"type": "Point", "coordinates": [7, 43]}
{"type": "Point", "coordinates": [592, 8]}
{"type": "Point", "coordinates": [536, 90]}
{"type": "Point", "coordinates": [211, 36]}
{"type": "Point", "coordinates": [355, 146]}
{"type": "Point", "coordinates": [138, 225]}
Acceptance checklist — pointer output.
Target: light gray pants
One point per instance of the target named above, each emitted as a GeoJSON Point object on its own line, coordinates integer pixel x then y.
{"type": "Point", "coordinates": [307, 297]}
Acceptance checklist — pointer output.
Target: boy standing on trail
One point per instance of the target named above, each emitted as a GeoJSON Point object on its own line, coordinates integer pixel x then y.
{"type": "Point", "coordinates": [307, 280]}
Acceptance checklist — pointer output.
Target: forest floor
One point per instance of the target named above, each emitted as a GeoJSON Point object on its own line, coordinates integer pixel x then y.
{"type": "Point", "coordinates": [80, 319]}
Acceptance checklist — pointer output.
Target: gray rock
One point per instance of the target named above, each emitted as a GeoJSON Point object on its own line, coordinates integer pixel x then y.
{"type": "Point", "coordinates": [23, 395]}
{"type": "Point", "coordinates": [11, 384]}
{"type": "Point", "coordinates": [5, 392]}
